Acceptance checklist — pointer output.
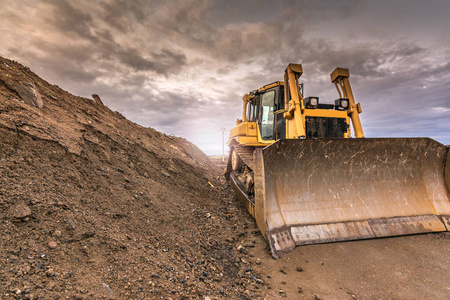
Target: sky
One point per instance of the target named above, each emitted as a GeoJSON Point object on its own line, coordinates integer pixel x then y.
{"type": "Point", "coordinates": [182, 67]}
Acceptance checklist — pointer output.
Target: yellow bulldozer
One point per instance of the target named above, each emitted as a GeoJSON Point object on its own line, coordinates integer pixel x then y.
{"type": "Point", "coordinates": [299, 172]}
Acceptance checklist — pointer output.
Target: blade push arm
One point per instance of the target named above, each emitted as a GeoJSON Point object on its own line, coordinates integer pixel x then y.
{"type": "Point", "coordinates": [296, 104]}
{"type": "Point", "coordinates": [340, 79]}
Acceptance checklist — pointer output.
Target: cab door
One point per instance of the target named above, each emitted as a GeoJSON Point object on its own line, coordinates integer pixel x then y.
{"type": "Point", "coordinates": [266, 115]}
{"type": "Point", "coordinates": [280, 121]}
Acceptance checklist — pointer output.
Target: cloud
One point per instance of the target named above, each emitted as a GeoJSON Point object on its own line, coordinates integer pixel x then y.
{"type": "Point", "coordinates": [70, 20]}
{"type": "Point", "coordinates": [164, 62]}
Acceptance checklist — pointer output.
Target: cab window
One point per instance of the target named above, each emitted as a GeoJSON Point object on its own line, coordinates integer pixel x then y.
{"type": "Point", "coordinates": [267, 104]}
{"type": "Point", "coordinates": [251, 111]}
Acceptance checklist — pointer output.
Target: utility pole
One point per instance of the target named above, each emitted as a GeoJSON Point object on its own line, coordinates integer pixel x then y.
{"type": "Point", "coordinates": [223, 144]}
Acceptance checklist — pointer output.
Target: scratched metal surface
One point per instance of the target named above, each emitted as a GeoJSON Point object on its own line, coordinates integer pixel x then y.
{"type": "Point", "coordinates": [305, 184]}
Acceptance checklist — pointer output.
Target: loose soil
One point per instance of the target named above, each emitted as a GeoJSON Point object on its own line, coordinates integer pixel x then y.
{"type": "Point", "coordinates": [93, 206]}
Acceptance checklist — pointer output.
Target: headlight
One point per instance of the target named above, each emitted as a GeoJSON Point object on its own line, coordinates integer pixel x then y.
{"type": "Point", "coordinates": [312, 102]}
{"type": "Point", "coordinates": [341, 104]}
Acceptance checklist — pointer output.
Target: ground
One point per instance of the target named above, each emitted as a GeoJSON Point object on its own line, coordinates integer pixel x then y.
{"type": "Point", "coordinates": [93, 206]}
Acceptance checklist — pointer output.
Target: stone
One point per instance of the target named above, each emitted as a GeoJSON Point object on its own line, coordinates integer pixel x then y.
{"type": "Point", "coordinates": [50, 273]}
{"type": "Point", "coordinates": [28, 92]}
{"type": "Point", "coordinates": [108, 289]}
{"type": "Point", "coordinates": [242, 249]}
{"type": "Point", "coordinates": [52, 245]}
{"type": "Point", "coordinates": [20, 211]}
{"type": "Point", "coordinates": [97, 99]}
{"type": "Point", "coordinates": [165, 173]}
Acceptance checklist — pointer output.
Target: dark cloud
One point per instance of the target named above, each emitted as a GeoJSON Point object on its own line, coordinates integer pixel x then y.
{"type": "Point", "coordinates": [165, 62]}
{"type": "Point", "coordinates": [70, 20]}
{"type": "Point", "coordinates": [118, 14]}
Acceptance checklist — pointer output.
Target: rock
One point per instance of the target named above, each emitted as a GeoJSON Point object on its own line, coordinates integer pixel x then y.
{"type": "Point", "coordinates": [299, 269]}
{"type": "Point", "coordinates": [283, 270]}
{"type": "Point", "coordinates": [51, 285]}
{"type": "Point", "coordinates": [28, 92]}
{"type": "Point", "coordinates": [20, 211]}
{"type": "Point", "coordinates": [52, 245]}
{"type": "Point", "coordinates": [242, 249]}
{"type": "Point", "coordinates": [300, 290]}
{"type": "Point", "coordinates": [88, 234]}
{"type": "Point", "coordinates": [172, 168]}
{"type": "Point", "coordinates": [165, 173]}
{"type": "Point", "coordinates": [97, 99]}
{"type": "Point", "coordinates": [26, 269]}
{"type": "Point", "coordinates": [108, 289]}
{"type": "Point", "coordinates": [57, 233]}
{"type": "Point", "coordinates": [70, 224]}
{"type": "Point", "coordinates": [317, 297]}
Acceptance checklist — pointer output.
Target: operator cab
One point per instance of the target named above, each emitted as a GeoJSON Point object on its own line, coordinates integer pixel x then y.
{"type": "Point", "coordinates": [268, 105]}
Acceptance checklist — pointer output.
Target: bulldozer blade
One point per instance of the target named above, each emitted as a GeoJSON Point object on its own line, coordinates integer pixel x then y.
{"type": "Point", "coordinates": [328, 190]}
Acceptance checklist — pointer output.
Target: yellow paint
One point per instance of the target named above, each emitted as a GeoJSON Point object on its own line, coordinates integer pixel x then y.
{"type": "Point", "coordinates": [340, 79]}
{"type": "Point", "coordinates": [295, 113]}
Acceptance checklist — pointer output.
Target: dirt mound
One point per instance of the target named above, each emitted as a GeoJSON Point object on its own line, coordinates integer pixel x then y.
{"type": "Point", "coordinates": [95, 206]}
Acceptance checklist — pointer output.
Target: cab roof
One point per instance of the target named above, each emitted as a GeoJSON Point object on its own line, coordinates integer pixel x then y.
{"type": "Point", "coordinates": [270, 85]}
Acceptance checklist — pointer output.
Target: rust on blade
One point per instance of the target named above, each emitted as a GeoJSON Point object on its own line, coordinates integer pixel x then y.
{"type": "Point", "coordinates": [446, 221]}
{"type": "Point", "coordinates": [280, 243]}
{"type": "Point", "coordinates": [323, 233]}
{"type": "Point", "coordinates": [406, 225]}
